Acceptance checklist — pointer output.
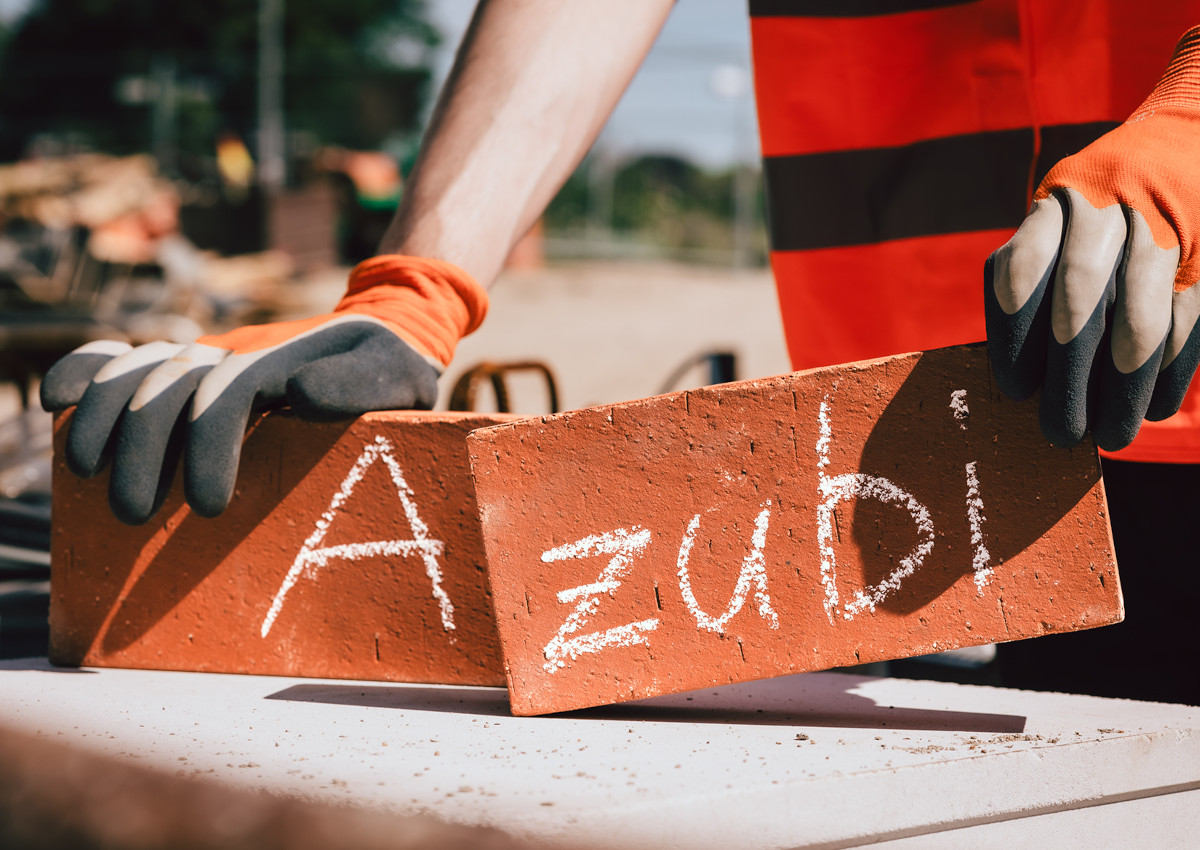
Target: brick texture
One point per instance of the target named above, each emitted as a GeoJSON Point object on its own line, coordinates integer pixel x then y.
{"type": "Point", "coordinates": [386, 581]}
{"type": "Point", "coordinates": [878, 510]}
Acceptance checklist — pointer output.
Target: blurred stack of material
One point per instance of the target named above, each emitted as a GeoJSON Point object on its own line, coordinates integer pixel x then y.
{"type": "Point", "coordinates": [121, 205]}
{"type": "Point", "coordinates": [81, 239]}
{"type": "Point", "coordinates": [92, 246]}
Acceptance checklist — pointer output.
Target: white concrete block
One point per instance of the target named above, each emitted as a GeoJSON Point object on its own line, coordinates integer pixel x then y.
{"type": "Point", "coordinates": [819, 760]}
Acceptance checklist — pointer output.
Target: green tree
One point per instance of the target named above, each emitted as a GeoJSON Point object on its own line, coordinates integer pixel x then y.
{"type": "Point", "coordinates": [85, 69]}
{"type": "Point", "coordinates": [665, 202]}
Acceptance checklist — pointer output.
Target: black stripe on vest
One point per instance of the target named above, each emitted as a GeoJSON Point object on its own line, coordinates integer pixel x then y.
{"type": "Point", "coordinates": [1064, 140]}
{"type": "Point", "coordinates": [957, 184]}
{"type": "Point", "coordinates": [844, 8]}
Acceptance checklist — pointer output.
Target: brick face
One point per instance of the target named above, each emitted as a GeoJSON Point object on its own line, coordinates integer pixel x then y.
{"type": "Point", "coordinates": [872, 511]}
{"type": "Point", "coordinates": [261, 589]}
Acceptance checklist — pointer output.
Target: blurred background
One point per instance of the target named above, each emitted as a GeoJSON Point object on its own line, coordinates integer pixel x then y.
{"type": "Point", "coordinates": [168, 170]}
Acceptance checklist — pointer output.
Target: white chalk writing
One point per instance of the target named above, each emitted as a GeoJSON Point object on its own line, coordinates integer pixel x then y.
{"type": "Point", "coordinates": [958, 404]}
{"type": "Point", "coordinates": [859, 485]}
{"type": "Point", "coordinates": [312, 556]}
{"type": "Point", "coordinates": [981, 561]}
{"type": "Point", "coordinates": [623, 544]}
{"type": "Point", "coordinates": [754, 571]}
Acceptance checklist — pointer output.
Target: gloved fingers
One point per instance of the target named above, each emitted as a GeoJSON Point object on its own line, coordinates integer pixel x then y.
{"type": "Point", "coordinates": [68, 379]}
{"type": "Point", "coordinates": [220, 411]}
{"type": "Point", "coordinates": [226, 396]}
{"type": "Point", "coordinates": [1017, 282]}
{"type": "Point", "coordinates": [1141, 320]}
{"type": "Point", "coordinates": [89, 442]}
{"type": "Point", "coordinates": [1083, 291]}
{"type": "Point", "coordinates": [148, 439]}
{"type": "Point", "coordinates": [1180, 357]}
{"type": "Point", "coordinates": [381, 372]}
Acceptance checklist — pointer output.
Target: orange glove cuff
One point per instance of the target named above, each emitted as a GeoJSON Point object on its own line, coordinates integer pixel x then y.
{"type": "Point", "coordinates": [1179, 87]}
{"type": "Point", "coordinates": [432, 304]}
{"type": "Point", "coordinates": [1148, 163]}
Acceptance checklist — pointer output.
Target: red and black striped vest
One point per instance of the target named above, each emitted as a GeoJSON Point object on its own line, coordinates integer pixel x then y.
{"type": "Point", "coordinates": [902, 141]}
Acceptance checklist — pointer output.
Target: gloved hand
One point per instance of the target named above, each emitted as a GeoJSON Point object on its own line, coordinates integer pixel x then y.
{"type": "Point", "coordinates": [1094, 297]}
{"type": "Point", "coordinates": [381, 348]}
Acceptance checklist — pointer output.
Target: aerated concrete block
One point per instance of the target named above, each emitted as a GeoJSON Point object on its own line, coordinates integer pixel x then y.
{"type": "Point", "coordinates": [877, 510]}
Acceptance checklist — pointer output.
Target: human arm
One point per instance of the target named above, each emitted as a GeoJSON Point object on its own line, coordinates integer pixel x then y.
{"type": "Point", "coordinates": [532, 86]}
{"type": "Point", "coordinates": [515, 117]}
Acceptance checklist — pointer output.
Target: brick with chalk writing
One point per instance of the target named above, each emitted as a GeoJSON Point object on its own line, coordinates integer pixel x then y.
{"type": "Point", "coordinates": [878, 510]}
{"type": "Point", "coordinates": [349, 550]}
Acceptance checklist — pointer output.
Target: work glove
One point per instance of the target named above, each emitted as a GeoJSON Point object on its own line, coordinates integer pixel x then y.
{"type": "Point", "coordinates": [1094, 298]}
{"type": "Point", "coordinates": [382, 347]}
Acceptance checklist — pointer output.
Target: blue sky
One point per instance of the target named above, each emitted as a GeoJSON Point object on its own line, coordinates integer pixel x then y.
{"type": "Point", "coordinates": [9, 9]}
{"type": "Point", "coordinates": [692, 97]}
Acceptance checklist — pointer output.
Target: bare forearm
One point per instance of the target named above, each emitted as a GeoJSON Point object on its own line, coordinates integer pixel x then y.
{"type": "Point", "coordinates": [533, 84]}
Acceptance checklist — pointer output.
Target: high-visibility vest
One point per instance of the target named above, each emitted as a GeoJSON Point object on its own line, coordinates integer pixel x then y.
{"type": "Point", "coordinates": [902, 141]}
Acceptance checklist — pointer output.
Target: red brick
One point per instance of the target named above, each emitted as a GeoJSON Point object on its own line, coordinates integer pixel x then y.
{"type": "Point", "coordinates": [738, 470]}
{"type": "Point", "coordinates": [187, 593]}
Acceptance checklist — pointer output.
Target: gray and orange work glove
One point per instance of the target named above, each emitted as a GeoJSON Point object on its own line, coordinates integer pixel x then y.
{"type": "Point", "coordinates": [381, 348]}
{"type": "Point", "coordinates": [1095, 297]}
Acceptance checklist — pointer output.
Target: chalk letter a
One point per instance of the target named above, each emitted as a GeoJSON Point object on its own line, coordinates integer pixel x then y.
{"type": "Point", "coordinates": [312, 557]}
